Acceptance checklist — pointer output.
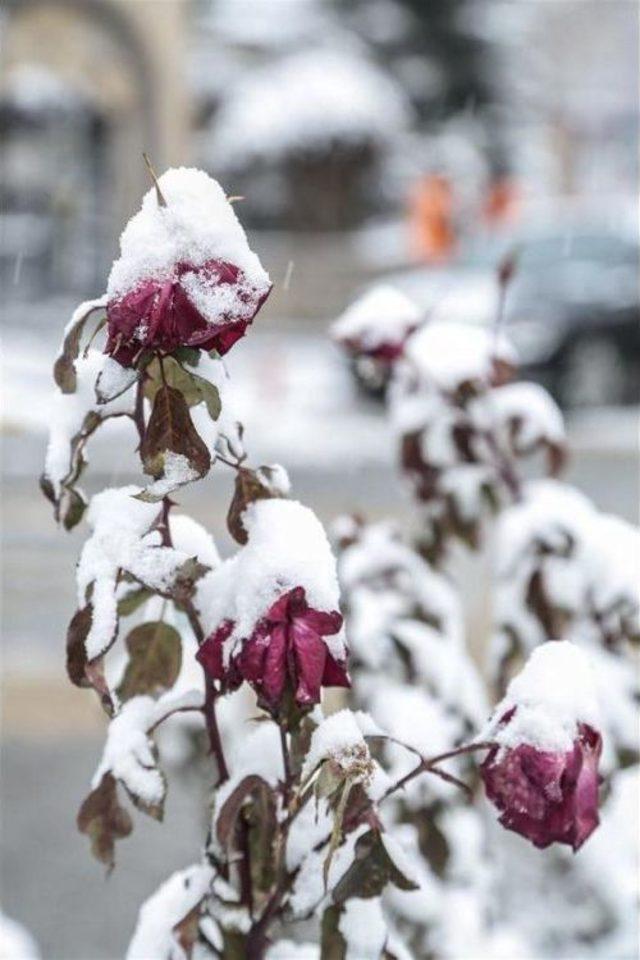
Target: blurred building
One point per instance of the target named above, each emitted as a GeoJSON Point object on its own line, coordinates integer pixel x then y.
{"type": "Point", "coordinates": [324, 114]}
{"type": "Point", "coordinates": [85, 87]}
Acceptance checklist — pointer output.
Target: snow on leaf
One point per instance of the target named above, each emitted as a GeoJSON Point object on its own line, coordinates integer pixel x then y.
{"type": "Point", "coordinates": [114, 380]}
{"type": "Point", "coordinates": [130, 754]}
{"type": "Point", "coordinates": [74, 419]}
{"type": "Point", "coordinates": [161, 927]}
{"type": "Point", "coordinates": [170, 431]}
{"type": "Point", "coordinates": [122, 540]}
{"type": "Point", "coordinates": [64, 369]}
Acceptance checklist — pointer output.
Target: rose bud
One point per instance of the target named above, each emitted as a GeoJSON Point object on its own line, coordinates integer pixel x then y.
{"type": "Point", "coordinates": [286, 649]}
{"type": "Point", "coordinates": [272, 616]}
{"type": "Point", "coordinates": [542, 773]}
{"type": "Point", "coordinates": [377, 325]}
{"type": "Point", "coordinates": [186, 276]}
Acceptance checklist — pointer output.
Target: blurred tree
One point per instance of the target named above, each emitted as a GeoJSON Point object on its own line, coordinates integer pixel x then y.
{"type": "Point", "coordinates": [447, 65]}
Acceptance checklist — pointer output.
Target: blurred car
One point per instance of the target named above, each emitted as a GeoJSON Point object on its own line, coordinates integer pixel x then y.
{"type": "Point", "coordinates": [572, 308]}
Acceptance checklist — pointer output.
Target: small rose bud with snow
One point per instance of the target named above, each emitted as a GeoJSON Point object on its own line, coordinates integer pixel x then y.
{"type": "Point", "coordinates": [273, 616]}
{"type": "Point", "coordinates": [542, 773]}
{"type": "Point", "coordinates": [186, 276]}
{"type": "Point", "coordinates": [377, 324]}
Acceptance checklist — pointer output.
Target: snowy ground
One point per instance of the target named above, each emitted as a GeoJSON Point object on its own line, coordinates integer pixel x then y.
{"type": "Point", "coordinates": [300, 407]}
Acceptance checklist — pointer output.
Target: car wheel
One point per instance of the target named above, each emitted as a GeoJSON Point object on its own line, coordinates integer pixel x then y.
{"type": "Point", "coordinates": [593, 374]}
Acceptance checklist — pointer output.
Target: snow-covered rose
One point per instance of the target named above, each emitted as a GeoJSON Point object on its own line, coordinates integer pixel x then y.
{"type": "Point", "coordinates": [542, 772]}
{"type": "Point", "coordinates": [544, 796]}
{"type": "Point", "coordinates": [377, 324]}
{"type": "Point", "coordinates": [286, 651]}
{"type": "Point", "coordinates": [186, 276]}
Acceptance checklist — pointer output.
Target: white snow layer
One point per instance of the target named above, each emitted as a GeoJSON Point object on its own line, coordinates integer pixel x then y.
{"type": "Point", "coordinates": [198, 224]}
{"type": "Point", "coordinates": [381, 315]}
{"type": "Point", "coordinates": [449, 354]}
{"type": "Point", "coordinates": [128, 751]}
{"type": "Point", "coordinates": [68, 411]}
{"type": "Point", "coordinates": [554, 692]}
{"type": "Point", "coordinates": [364, 929]}
{"type": "Point", "coordinates": [535, 411]}
{"type": "Point", "coordinates": [287, 548]}
{"type": "Point", "coordinates": [154, 938]}
{"type": "Point", "coordinates": [16, 943]}
{"type": "Point", "coordinates": [120, 540]}
{"type": "Point", "coordinates": [308, 100]}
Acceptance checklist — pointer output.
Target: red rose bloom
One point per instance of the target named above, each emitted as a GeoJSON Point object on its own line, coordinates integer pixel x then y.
{"type": "Point", "coordinates": [286, 646]}
{"type": "Point", "coordinates": [160, 315]}
{"type": "Point", "coordinates": [546, 797]}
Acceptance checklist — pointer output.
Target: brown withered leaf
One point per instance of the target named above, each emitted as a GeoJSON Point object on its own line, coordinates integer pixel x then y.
{"type": "Point", "coordinates": [170, 428]}
{"type": "Point", "coordinates": [155, 658]}
{"type": "Point", "coordinates": [64, 371]}
{"type": "Point", "coordinates": [186, 578]}
{"type": "Point", "coordinates": [333, 946]}
{"type": "Point", "coordinates": [94, 672]}
{"type": "Point", "coordinates": [249, 487]}
{"type": "Point", "coordinates": [262, 824]}
{"type": "Point", "coordinates": [104, 821]}
{"type": "Point", "coordinates": [226, 819]}
{"type": "Point", "coordinates": [77, 633]}
{"type": "Point", "coordinates": [186, 930]}
{"type": "Point", "coordinates": [371, 870]}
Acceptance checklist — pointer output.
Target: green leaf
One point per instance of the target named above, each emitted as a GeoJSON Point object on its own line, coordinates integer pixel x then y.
{"type": "Point", "coordinates": [336, 832]}
{"type": "Point", "coordinates": [104, 821]}
{"type": "Point", "coordinates": [133, 600]}
{"type": "Point", "coordinates": [228, 815]}
{"type": "Point", "coordinates": [64, 371]}
{"type": "Point", "coordinates": [170, 428]}
{"type": "Point", "coordinates": [371, 870]}
{"type": "Point", "coordinates": [155, 658]}
{"type": "Point", "coordinates": [187, 355]}
{"type": "Point", "coordinates": [74, 508]}
{"type": "Point", "coordinates": [194, 388]}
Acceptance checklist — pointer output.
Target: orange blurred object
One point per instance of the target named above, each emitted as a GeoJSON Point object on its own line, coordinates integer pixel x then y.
{"type": "Point", "coordinates": [502, 203]}
{"type": "Point", "coordinates": [431, 212]}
